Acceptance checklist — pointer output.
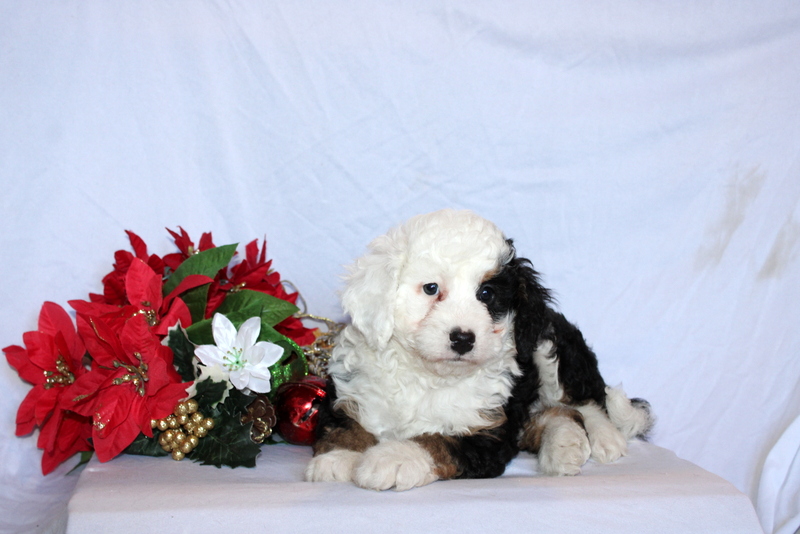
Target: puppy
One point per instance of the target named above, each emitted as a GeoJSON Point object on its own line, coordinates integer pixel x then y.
{"type": "Point", "coordinates": [454, 361]}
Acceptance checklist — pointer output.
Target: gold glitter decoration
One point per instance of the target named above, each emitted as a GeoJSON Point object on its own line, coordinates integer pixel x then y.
{"type": "Point", "coordinates": [181, 431]}
{"type": "Point", "coordinates": [150, 315]}
{"type": "Point", "coordinates": [135, 375]}
{"type": "Point", "coordinates": [62, 376]}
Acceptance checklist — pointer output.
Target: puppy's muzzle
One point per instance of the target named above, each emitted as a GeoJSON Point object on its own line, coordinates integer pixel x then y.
{"type": "Point", "coordinates": [462, 342]}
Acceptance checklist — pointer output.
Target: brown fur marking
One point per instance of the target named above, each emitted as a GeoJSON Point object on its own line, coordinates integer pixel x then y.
{"type": "Point", "coordinates": [352, 437]}
{"type": "Point", "coordinates": [436, 445]}
{"type": "Point", "coordinates": [531, 439]}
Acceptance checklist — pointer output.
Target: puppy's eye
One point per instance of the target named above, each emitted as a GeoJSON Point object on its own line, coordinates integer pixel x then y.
{"type": "Point", "coordinates": [430, 289]}
{"type": "Point", "coordinates": [485, 294]}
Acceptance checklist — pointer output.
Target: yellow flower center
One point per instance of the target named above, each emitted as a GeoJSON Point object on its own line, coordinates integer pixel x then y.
{"type": "Point", "coordinates": [233, 359]}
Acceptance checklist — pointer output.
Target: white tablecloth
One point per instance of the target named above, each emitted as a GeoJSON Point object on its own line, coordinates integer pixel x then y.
{"type": "Point", "coordinates": [650, 490]}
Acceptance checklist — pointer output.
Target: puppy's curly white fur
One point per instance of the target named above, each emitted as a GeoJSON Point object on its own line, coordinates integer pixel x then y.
{"type": "Point", "coordinates": [454, 361]}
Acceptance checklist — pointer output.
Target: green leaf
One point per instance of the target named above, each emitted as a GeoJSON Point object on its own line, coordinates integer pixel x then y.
{"type": "Point", "coordinates": [201, 333]}
{"type": "Point", "coordinates": [209, 263]}
{"type": "Point", "coordinates": [274, 311]}
{"type": "Point", "coordinates": [196, 299]}
{"type": "Point", "coordinates": [228, 443]}
{"type": "Point", "coordinates": [85, 457]}
{"type": "Point", "coordinates": [145, 446]}
{"type": "Point", "coordinates": [183, 353]}
{"type": "Point", "coordinates": [209, 393]}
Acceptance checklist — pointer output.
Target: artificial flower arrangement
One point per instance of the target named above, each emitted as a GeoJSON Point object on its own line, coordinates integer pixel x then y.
{"type": "Point", "coordinates": [194, 354]}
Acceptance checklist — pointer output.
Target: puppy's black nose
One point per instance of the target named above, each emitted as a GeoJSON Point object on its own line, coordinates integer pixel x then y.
{"type": "Point", "coordinates": [462, 342]}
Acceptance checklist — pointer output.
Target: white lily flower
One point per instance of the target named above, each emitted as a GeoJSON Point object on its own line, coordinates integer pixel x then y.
{"type": "Point", "coordinates": [236, 355]}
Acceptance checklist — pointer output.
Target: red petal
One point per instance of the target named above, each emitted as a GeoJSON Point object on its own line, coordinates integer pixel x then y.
{"type": "Point", "coordinates": [48, 432]}
{"type": "Point", "coordinates": [294, 329]}
{"type": "Point", "coordinates": [101, 340]}
{"type": "Point", "coordinates": [206, 242]}
{"type": "Point", "coordinates": [73, 433]}
{"type": "Point", "coordinates": [163, 403]}
{"type": "Point", "coordinates": [114, 282]}
{"type": "Point", "coordinates": [182, 241]}
{"type": "Point", "coordinates": [263, 257]}
{"type": "Point", "coordinates": [139, 246]}
{"type": "Point", "coordinates": [73, 428]}
{"type": "Point", "coordinates": [46, 404]}
{"type": "Point", "coordinates": [113, 443]}
{"type": "Point", "coordinates": [143, 286]}
{"type": "Point", "coordinates": [94, 309]}
{"type": "Point", "coordinates": [251, 252]}
{"type": "Point", "coordinates": [178, 312]}
{"type": "Point", "coordinates": [215, 298]}
{"type": "Point", "coordinates": [157, 264]}
{"type": "Point", "coordinates": [173, 261]}
{"type": "Point", "coordinates": [26, 420]}
{"type": "Point", "coordinates": [41, 350]}
{"type": "Point", "coordinates": [53, 318]}
{"type": "Point", "coordinates": [81, 397]}
{"type": "Point", "coordinates": [114, 407]}
{"type": "Point", "coordinates": [73, 355]}
{"type": "Point", "coordinates": [190, 282]}
{"type": "Point", "coordinates": [18, 359]}
{"type": "Point", "coordinates": [136, 337]}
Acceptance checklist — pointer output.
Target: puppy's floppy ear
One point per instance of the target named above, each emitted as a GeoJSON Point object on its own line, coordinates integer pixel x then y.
{"type": "Point", "coordinates": [531, 306]}
{"type": "Point", "coordinates": [371, 287]}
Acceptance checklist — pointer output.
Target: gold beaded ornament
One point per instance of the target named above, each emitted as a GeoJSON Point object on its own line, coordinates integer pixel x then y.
{"type": "Point", "coordinates": [319, 352]}
{"type": "Point", "coordinates": [181, 431]}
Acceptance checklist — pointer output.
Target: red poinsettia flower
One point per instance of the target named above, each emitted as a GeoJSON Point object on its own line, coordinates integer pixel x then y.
{"type": "Point", "coordinates": [114, 282]}
{"type": "Point", "coordinates": [186, 247]}
{"type": "Point", "coordinates": [51, 361]}
{"type": "Point", "coordinates": [254, 272]}
{"type": "Point", "coordinates": [132, 381]}
{"type": "Point", "coordinates": [143, 296]}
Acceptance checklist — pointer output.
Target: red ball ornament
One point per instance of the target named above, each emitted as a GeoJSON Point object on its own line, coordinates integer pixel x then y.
{"type": "Point", "coordinates": [297, 405]}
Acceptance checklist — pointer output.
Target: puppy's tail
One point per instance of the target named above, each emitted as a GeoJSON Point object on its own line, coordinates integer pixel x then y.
{"type": "Point", "coordinates": [633, 417]}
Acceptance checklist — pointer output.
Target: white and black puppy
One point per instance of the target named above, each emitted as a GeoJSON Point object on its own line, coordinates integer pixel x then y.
{"type": "Point", "coordinates": [454, 361]}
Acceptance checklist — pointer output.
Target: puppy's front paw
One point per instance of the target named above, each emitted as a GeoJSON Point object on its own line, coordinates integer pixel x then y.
{"type": "Point", "coordinates": [565, 448]}
{"type": "Point", "coordinates": [395, 464]}
{"type": "Point", "coordinates": [607, 443]}
{"type": "Point", "coordinates": [335, 465]}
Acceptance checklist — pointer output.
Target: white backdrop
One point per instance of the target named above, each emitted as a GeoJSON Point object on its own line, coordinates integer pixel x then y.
{"type": "Point", "coordinates": [644, 155]}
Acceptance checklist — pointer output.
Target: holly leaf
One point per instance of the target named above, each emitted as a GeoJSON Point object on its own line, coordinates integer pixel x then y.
{"type": "Point", "coordinates": [228, 443]}
{"type": "Point", "coordinates": [208, 394]}
{"type": "Point", "coordinates": [183, 353]}
{"type": "Point", "coordinates": [208, 263]}
{"type": "Point", "coordinates": [145, 446]}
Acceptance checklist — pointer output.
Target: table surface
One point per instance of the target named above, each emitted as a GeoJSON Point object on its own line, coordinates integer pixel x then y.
{"type": "Point", "coordinates": [649, 490]}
